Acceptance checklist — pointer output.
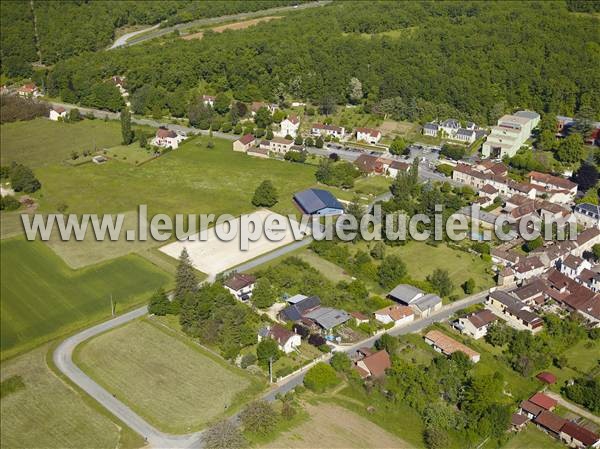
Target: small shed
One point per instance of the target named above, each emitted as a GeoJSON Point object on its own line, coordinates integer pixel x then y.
{"type": "Point", "coordinates": [546, 377]}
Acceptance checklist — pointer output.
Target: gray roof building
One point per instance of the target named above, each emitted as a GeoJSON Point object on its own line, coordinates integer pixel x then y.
{"type": "Point", "coordinates": [427, 302]}
{"type": "Point", "coordinates": [295, 311]}
{"type": "Point", "coordinates": [318, 201]}
{"type": "Point", "coordinates": [327, 317]}
{"type": "Point", "coordinates": [431, 126]}
{"type": "Point", "coordinates": [405, 294]}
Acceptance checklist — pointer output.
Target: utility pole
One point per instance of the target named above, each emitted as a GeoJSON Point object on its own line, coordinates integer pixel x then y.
{"type": "Point", "coordinates": [271, 369]}
{"type": "Point", "coordinates": [112, 306]}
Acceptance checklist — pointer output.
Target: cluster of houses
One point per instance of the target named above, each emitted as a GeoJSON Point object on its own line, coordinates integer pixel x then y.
{"type": "Point", "coordinates": [370, 164]}
{"type": "Point", "coordinates": [539, 410]}
{"type": "Point", "coordinates": [564, 125]}
{"type": "Point", "coordinates": [453, 130]}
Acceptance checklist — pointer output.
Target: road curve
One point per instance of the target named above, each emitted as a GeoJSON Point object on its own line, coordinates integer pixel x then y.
{"type": "Point", "coordinates": [122, 41]}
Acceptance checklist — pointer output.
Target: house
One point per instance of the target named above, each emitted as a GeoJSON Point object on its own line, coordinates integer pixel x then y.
{"type": "Point", "coordinates": [240, 285]}
{"type": "Point", "coordinates": [518, 422]}
{"type": "Point", "coordinates": [514, 312]}
{"type": "Point", "coordinates": [299, 307]}
{"type": "Point", "coordinates": [546, 377]}
{"type": "Point", "coordinates": [475, 324]}
{"type": "Point", "coordinates": [374, 365]}
{"type": "Point", "coordinates": [577, 436]}
{"type": "Point", "coordinates": [369, 135]}
{"type": "Point", "coordinates": [448, 346]}
{"type": "Point", "coordinates": [530, 409]}
{"type": "Point", "coordinates": [359, 318]}
{"type": "Point", "coordinates": [167, 138]}
{"type": "Point", "coordinates": [57, 112]}
{"type": "Point", "coordinates": [553, 185]}
{"type": "Point", "coordinates": [244, 143]}
{"type": "Point", "coordinates": [396, 167]}
{"type": "Point", "coordinates": [450, 127]}
{"type": "Point", "coordinates": [479, 175]}
{"type": "Point", "coordinates": [590, 279]}
{"type": "Point", "coordinates": [318, 129]}
{"type": "Point", "coordinates": [256, 105]}
{"type": "Point", "coordinates": [467, 136]}
{"type": "Point", "coordinates": [280, 145]}
{"type": "Point", "coordinates": [395, 314]}
{"type": "Point", "coordinates": [209, 100]}
{"type": "Point", "coordinates": [510, 134]}
{"type": "Point", "coordinates": [588, 215]}
{"type": "Point", "coordinates": [369, 164]}
{"type": "Point", "coordinates": [327, 317]}
{"type": "Point", "coordinates": [573, 266]}
{"type": "Point", "coordinates": [427, 304]}
{"type": "Point", "coordinates": [318, 202]}
{"type": "Point", "coordinates": [430, 129]}
{"type": "Point", "coordinates": [544, 401]}
{"type": "Point", "coordinates": [29, 90]}
{"type": "Point", "coordinates": [286, 340]}
{"type": "Point", "coordinates": [550, 423]}
{"type": "Point", "coordinates": [289, 127]}
{"type": "Point", "coordinates": [586, 240]}
{"type": "Point", "coordinates": [532, 293]}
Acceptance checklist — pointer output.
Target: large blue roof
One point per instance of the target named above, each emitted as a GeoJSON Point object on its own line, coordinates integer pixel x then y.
{"type": "Point", "coordinates": [313, 200]}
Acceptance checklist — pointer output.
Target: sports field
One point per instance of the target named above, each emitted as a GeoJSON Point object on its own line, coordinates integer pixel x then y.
{"type": "Point", "coordinates": [336, 427]}
{"type": "Point", "coordinates": [178, 393]}
{"type": "Point", "coordinates": [49, 414]}
{"type": "Point", "coordinates": [42, 297]}
{"type": "Point", "coordinates": [42, 142]}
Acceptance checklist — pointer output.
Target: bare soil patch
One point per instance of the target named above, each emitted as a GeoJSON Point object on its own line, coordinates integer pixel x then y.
{"type": "Point", "coordinates": [231, 26]}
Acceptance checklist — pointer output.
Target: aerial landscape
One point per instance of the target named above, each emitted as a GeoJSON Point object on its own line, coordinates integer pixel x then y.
{"type": "Point", "coordinates": [303, 224]}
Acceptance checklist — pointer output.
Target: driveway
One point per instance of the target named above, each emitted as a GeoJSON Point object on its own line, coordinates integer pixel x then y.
{"type": "Point", "coordinates": [573, 407]}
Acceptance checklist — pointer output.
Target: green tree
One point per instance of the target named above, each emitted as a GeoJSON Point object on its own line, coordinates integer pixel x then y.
{"type": "Point", "coordinates": [469, 286]}
{"type": "Point", "coordinates": [319, 142]}
{"type": "Point", "coordinates": [186, 281]}
{"type": "Point", "coordinates": [259, 417]}
{"type": "Point", "coordinates": [596, 251]}
{"type": "Point", "coordinates": [222, 103]}
{"type": "Point", "coordinates": [126, 133]}
{"type": "Point", "coordinates": [265, 195]}
{"type": "Point", "coordinates": [267, 349]}
{"type": "Point", "coordinates": [387, 342]}
{"type": "Point", "coordinates": [22, 179]}
{"type": "Point", "coordinates": [263, 118]}
{"type": "Point", "coordinates": [570, 148]}
{"type": "Point", "coordinates": [391, 271]}
{"type": "Point", "coordinates": [263, 295]}
{"type": "Point", "coordinates": [533, 244]}
{"type": "Point", "coordinates": [159, 304]}
{"type": "Point", "coordinates": [74, 115]}
{"type": "Point", "coordinates": [298, 140]}
{"type": "Point", "coordinates": [269, 135]}
{"type": "Point", "coordinates": [587, 176]}
{"type": "Point", "coordinates": [440, 280]}
{"type": "Point", "coordinates": [436, 438]}
{"type": "Point", "coordinates": [378, 250]}
{"type": "Point", "coordinates": [398, 146]}
{"type": "Point", "coordinates": [340, 361]}
{"type": "Point", "coordinates": [320, 377]}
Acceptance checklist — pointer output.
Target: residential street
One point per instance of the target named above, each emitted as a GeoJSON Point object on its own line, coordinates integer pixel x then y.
{"type": "Point", "coordinates": [573, 407]}
{"type": "Point", "coordinates": [64, 362]}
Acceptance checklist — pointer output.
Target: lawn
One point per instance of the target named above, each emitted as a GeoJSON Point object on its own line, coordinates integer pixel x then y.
{"type": "Point", "coordinates": [330, 270]}
{"type": "Point", "coordinates": [178, 393]}
{"type": "Point", "coordinates": [49, 414]}
{"type": "Point", "coordinates": [333, 426]}
{"type": "Point", "coordinates": [533, 438]}
{"type": "Point", "coordinates": [133, 154]}
{"type": "Point", "coordinates": [42, 142]}
{"type": "Point", "coordinates": [42, 298]}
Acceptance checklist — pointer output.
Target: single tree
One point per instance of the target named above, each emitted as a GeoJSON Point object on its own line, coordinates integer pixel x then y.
{"type": "Point", "coordinates": [319, 142]}
{"type": "Point", "coordinates": [469, 286]}
{"type": "Point", "coordinates": [340, 362]}
{"type": "Point", "coordinates": [267, 350]}
{"type": "Point", "coordinates": [186, 281]}
{"type": "Point", "coordinates": [269, 135]}
{"type": "Point", "coordinates": [440, 280]}
{"type": "Point", "coordinates": [126, 133]}
{"type": "Point", "coordinates": [265, 195]}
{"type": "Point", "coordinates": [263, 118]}
{"type": "Point", "coordinates": [259, 417]}
{"type": "Point", "coordinates": [387, 342]}
{"type": "Point", "coordinates": [398, 146]}
{"type": "Point", "coordinates": [391, 271]}
{"type": "Point", "coordinates": [263, 295]}
{"type": "Point", "coordinates": [224, 435]}
{"type": "Point", "coordinates": [159, 303]}
{"type": "Point", "coordinates": [320, 378]}
{"type": "Point", "coordinates": [587, 176]}
{"type": "Point", "coordinates": [74, 115]}
{"type": "Point", "coordinates": [222, 102]}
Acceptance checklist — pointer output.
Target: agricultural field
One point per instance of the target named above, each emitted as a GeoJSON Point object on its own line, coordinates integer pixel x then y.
{"type": "Point", "coordinates": [339, 428]}
{"type": "Point", "coordinates": [47, 413]}
{"type": "Point", "coordinates": [179, 393]}
{"type": "Point", "coordinates": [42, 298]}
{"type": "Point", "coordinates": [42, 142]}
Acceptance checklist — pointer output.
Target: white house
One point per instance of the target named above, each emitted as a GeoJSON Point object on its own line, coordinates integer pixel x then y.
{"type": "Point", "coordinates": [430, 129]}
{"type": "Point", "coordinates": [465, 135]}
{"type": "Point", "coordinates": [450, 126]}
{"type": "Point", "coordinates": [57, 112]}
{"type": "Point", "coordinates": [167, 138]}
{"type": "Point", "coordinates": [588, 215]}
{"type": "Point", "coordinates": [240, 285]}
{"type": "Point", "coordinates": [289, 127]}
{"type": "Point", "coordinates": [318, 129]}
{"type": "Point", "coordinates": [395, 314]}
{"type": "Point", "coordinates": [286, 340]}
{"type": "Point", "coordinates": [29, 90]}
{"type": "Point", "coordinates": [280, 145]}
{"type": "Point", "coordinates": [369, 135]}
{"type": "Point", "coordinates": [573, 266]}
{"type": "Point", "coordinates": [476, 324]}
{"type": "Point", "coordinates": [244, 143]}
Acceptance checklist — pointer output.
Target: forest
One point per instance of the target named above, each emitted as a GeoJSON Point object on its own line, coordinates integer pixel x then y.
{"type": "Point", "coordinates": [414, 61]}
{"type": "Point", "coordinates": [67, 27]}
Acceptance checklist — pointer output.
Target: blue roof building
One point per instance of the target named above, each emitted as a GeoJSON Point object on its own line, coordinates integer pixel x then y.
{"type": "Point", "coordinates": [318, 202]}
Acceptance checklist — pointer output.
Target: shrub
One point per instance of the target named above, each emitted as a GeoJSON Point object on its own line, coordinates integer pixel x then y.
{"type": "Point", "coordinates": [247, 360]}
{"type": "Point", "coordinates": [259, 417]}
{"type": "Point", "coordinates": [9, 202]}
{"type": "Point", "coordinates": [320, 378]}
{"type": "Point", "coordinates": [22, 179]}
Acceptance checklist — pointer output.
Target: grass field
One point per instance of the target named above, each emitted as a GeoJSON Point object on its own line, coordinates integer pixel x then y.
{"type": "Point", "coordinates": [133, 154]}
{"type": "Point", "coordinates": [42, 298]}
{"type": "Point", "coordinates": [181, 392]}
{"type": "Point", "coordinates": [533, 438]}
{"type": "Point", "coordinates": [41, 142]}
{"type": "Point", "coordinates": [333, 426]}
{"type": "Point", "coordinates": [47, 413]}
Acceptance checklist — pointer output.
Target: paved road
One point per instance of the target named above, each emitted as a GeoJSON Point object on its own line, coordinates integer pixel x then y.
{"type": "Point", "coordinates": [64, 352]}
{"type": "Point", "coordinates": [130, 40]}
{"type": "Point", "coordinates": [573, 407]}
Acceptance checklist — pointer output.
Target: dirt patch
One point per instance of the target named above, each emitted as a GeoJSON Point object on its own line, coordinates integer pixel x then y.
{"type": "Point", "coordinates": [331, 426]}
{"type": "Point", "coordinates": [231, 26]}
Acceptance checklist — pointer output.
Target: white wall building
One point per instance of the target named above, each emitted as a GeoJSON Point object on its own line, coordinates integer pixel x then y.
{"type": "Point", "coordinates": [510, 134]}
{"type": "Point", "coordinates": [57, 112]}
{"type": "Point", "coordinates": [289, 127]}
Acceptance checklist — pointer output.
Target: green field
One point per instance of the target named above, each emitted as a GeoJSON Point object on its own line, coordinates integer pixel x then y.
{"type": "Point", "coordinates": [177, 393]}
{"type": "Point", "coordinates": [533, 438]}
{"type": "Point", "coordinates": [41, 142]}
{"type": "Point", "coordinates": [49, 414]}
{"type": "Point", "coordinates": [42, 297]}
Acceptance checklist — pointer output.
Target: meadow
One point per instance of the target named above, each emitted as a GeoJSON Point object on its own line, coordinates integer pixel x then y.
{"type": "Point", "coordinates": [179, 393]}
{"type": "Point", "coordinates": [42, 298]}
{"type": "Point", "coordinates": [47, 413]}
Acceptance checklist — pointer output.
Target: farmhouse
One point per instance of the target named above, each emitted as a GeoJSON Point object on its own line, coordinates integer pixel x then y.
{"type": "Point", "coordinates": [240, 285]}
{"type": "Point", "coordinates": [511, 132]}
{"type": "Point", "coordinates": [318, 202]}
{"type": "Point", "coordinates": [465, 135]}
{"type": "Point", "coordinates": [286, 340]}
{"type": "Point", "coordinates": [369, 164]}
{"type": "Point", "coordinates": [167, 138]}
{"type": "Point", "coordinates": [369, 135]}
{"type": "Point", "coordinates": [395, 314]}
{"type": "Point", "coordinates": [280, 145]}
{"type": "Point", "coordinates": [373, 365]}
{"type": "Point", "coordinates": [573, 266]}
{"type": "Point", "coordinates": [57, 112]}
{"type": "Point", "coordinates": [396, 167]}
{"type": "Point", "coordinates": [475, 324]}
{"type": "Point", "coordinates": [244, 143]}
{"type": "Point", "coordinates": [318, 129]}
{"type": "Point", "coordinates": [448, 346]}
{"type": "Point", "coordinates": [289, 127]}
